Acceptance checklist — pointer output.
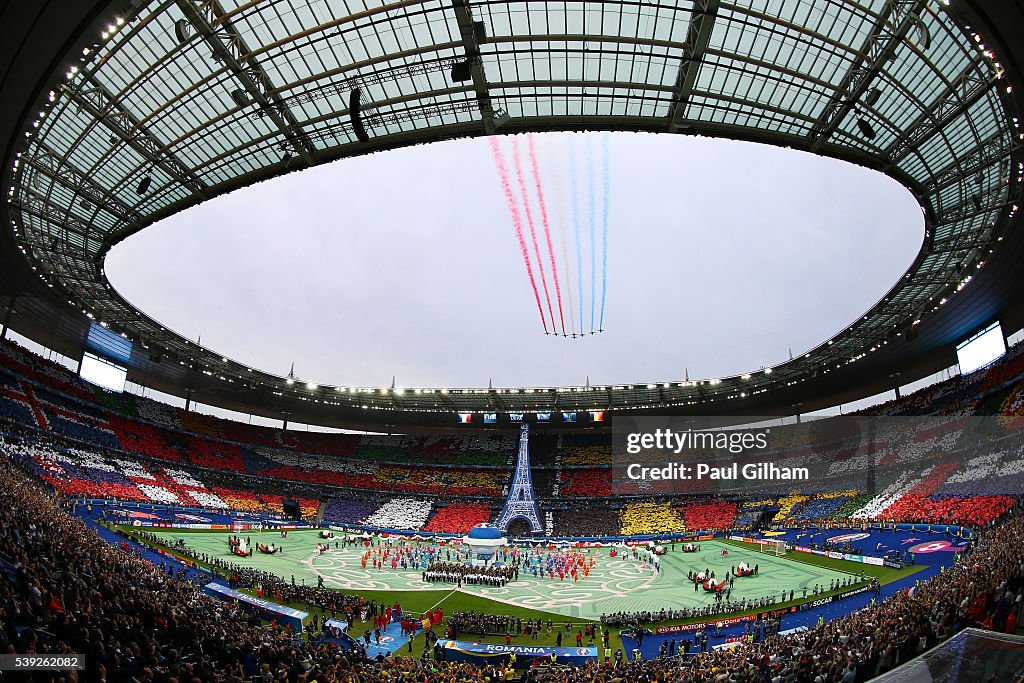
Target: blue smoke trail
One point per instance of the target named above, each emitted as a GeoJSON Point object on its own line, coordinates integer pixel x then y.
{"type": "Point", "coordinates": [593, 230]}
{"type": "Point", "coordinates": [576, 221]}
{"type": "Point", "coordinates": [604, 224]}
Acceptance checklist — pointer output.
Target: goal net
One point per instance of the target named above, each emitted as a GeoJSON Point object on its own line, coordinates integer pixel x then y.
{"type": "Point", "coordinates": [773, 547]}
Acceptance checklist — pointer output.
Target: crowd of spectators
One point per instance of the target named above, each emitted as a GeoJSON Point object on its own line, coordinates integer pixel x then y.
{"type": "Point", "coordinates": [586, 482]}
{"type": "Point", "coordinates": [458, 518]}
{"type": "Point", "coordinates": [400, 513]}
{"type": "Point", "coordinates": [710, 516]}
{"type": "Point", "coordinates": [650, 518]}
{"type": "Point", "coordinates": [68, 591]}
{"type": "Point", "coordinates": [73, 592]}
{"type": "Point", "coordinates": [584, 521]}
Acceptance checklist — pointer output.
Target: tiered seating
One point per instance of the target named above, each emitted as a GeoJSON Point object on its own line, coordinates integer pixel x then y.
{"type": "Point", "coordinates": [139, 437]}
{"type": "Point", "coordinates": [707, 516]}
{"type": "Point", "coordinates": [37, 392]}
{"type": "Point", "coordinates": [400, 513]}
{"type": "Point", "coordinates": [470, 450]}
{"type": "Point", "coordinates": [1013, 403]}
{"type": "Point", "coordinates": [587, 455]}
{"type": "Point", "coordinates": [73, 406]}
{"type": "Point", "coordinates": [275, 503]}
{"type": "Point", "coordinates": [493, 451]}
{"type": "Point", "coordinates": [81, 431]}
{"type": "Point", "coordinates": [585, 449]}
{"type": "Point", "coordinates": [543, 482]}
{"type": "Point", "coordinates": [446, 481]}
{"type": "Point", "coordinates": [344, 511]}
{"type": "Point", "coordinates": [746, 515]}
{"type": "Point", "coordinates": [188, 487]}
{"type": "Point", "coordinates": [973, 511]}
{"type": "Point", "coordinates": [587, 482]}
{"type": "Point", "coordinates": [215, 455]}
{"type": "Point", "coordinates": [650, 518]}
{"type": "Point", "coordinates": [459, 518]}
{"type": "Point", "coordinates": [382, 449]}
{"type": "Point", "coordinates": [786, 504]}
{"type": "Point", "coordinates": [77, 473]}
{"type": "Point", "coordinates": [991, 474]}
{"type": "Point", "coordinates": [36, 368]}
{"type": "Point", "coordinates": [117, 403]}
{"type": "Point", "coordinates": [241, 501]}
{"type": "Point", "coordinates": [822, 506]}
{"type": "Point", "coordinates": [16, 411]}
{"type": "Point", "coordinates": [854, 504]}
{"type": "Point", "coordinates": [543, 450]}
{"type": "Point", "coordinates": [1009, 368]}
{"type": "Point", "coordinates": [160, 413]}
{"type": "Point", "coordinates": [207, 425]}
{"type": "Point", "coordinates": [893, 492]}
{"type": "Point", "coordinates": [586, 521]}
{"type": "Point", "coordinates": [336, 445]}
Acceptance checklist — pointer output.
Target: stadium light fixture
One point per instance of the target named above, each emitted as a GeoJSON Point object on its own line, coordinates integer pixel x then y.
{"type": "Point", "coordinates": [182, 30]}
{"type": "Point", "coordinates": [866, 129]}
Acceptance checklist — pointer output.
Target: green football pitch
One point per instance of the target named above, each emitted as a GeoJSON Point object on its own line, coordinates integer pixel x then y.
{"type": "Point", "coordinates": [614, 584]}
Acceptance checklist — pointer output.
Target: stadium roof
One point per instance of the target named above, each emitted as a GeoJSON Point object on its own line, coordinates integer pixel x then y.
{"type": "Point", "coordinates": [120, 114]}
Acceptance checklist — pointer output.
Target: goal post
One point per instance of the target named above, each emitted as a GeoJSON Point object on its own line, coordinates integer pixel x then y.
{"type": "Point", "coordinates": [773, 546]}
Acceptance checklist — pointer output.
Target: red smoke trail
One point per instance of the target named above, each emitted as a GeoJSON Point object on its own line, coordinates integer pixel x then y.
{"type": "Point", "coordinates": [547, 229]}
{"type": "Point", "coordinates": [529, 223]}
{"type": "Point", "coordinates": [513, 209]}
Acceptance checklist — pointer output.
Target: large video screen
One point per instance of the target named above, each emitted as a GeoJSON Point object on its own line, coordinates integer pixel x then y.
{"type": "Point", "coordinates": [981, 349]}
{"type": "Point", "coordinates": [103, 373]}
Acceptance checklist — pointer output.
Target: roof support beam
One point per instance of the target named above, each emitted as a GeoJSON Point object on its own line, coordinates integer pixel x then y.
{"type": "Point", "coordinates": [43, 210]}
{"type": "Point", "coordinates": [953, 102]}
{"type": "Point", "coordinates": [997, 148]}
{"type": "Point", "coordinates": [471, 40]}
{"type": "Point", "coordinates": [61, 171]}
{"type": "Point", "coordinates": [698, 36]}
{"type": "Point", "coordinates": [228, 47]}
{"type": "Point", "coordinates": [101, 105]}
{"type": "Point", "coordinates": [983, 201]}
{"type": "Point", "coordinates": [878, 49]}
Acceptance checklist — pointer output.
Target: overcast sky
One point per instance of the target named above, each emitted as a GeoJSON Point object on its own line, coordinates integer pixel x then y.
{"type": "Point", "coordinates": [722, 256]}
